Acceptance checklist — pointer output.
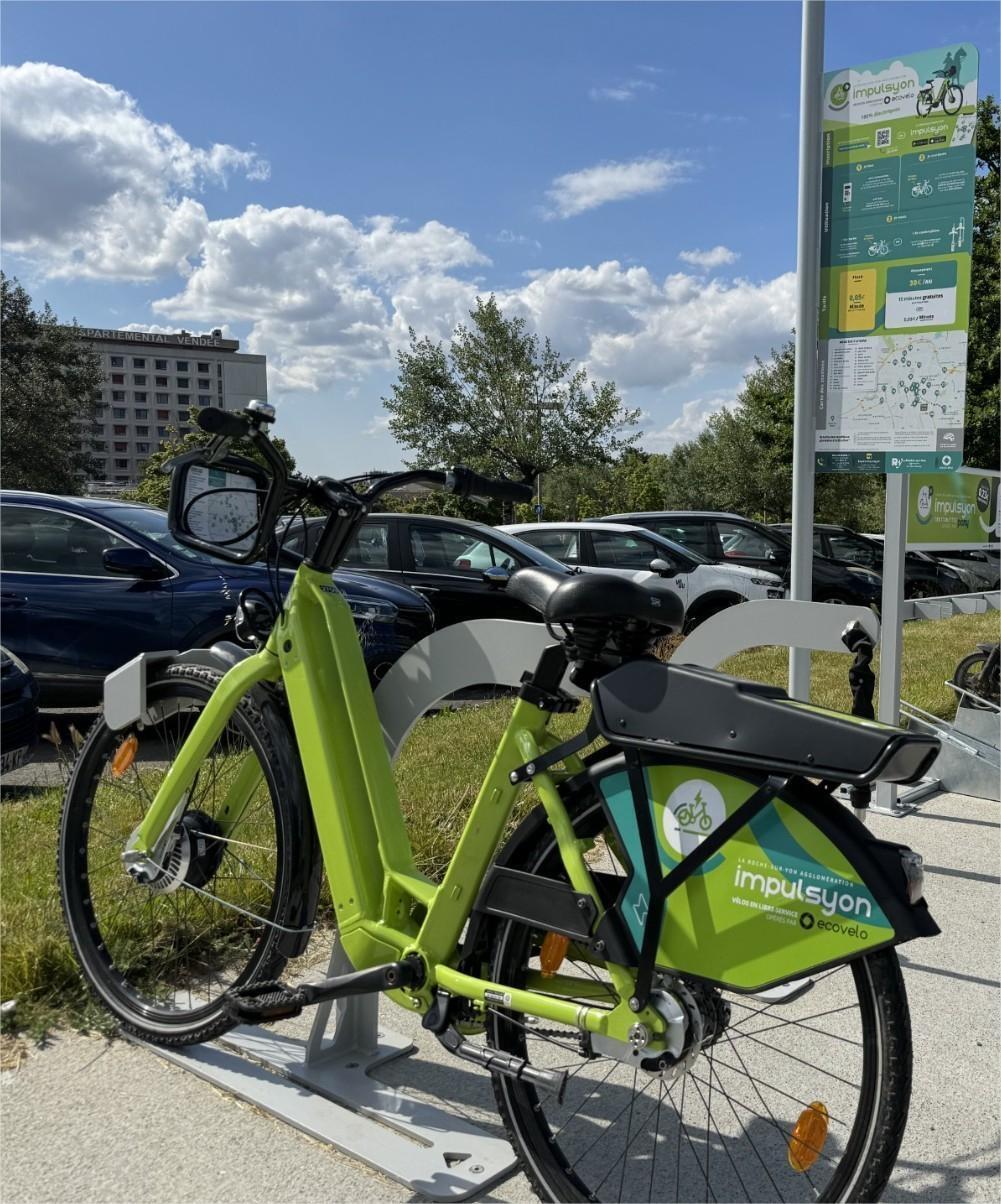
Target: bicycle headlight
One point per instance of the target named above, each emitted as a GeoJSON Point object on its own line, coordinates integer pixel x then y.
{"type": "Point", "coordinates": [914, 873]}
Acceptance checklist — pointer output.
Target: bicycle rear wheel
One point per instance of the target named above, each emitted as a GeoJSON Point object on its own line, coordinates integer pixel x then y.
{"type": "Point", "coordinates": [227, 898]}
{"type": "Point", "coordinates": [724, 1129]}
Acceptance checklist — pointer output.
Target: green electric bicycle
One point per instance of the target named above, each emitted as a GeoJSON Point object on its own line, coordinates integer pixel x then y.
{"type": "Point", "coordinates": [679, 968]}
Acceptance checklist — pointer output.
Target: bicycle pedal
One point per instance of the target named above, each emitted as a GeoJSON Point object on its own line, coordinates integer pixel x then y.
{"type": "Point", "coordinates": [265, 1001]}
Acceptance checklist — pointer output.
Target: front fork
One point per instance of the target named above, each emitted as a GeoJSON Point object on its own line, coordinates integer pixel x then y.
{"type": "Point", "coordinates": [150, 838]}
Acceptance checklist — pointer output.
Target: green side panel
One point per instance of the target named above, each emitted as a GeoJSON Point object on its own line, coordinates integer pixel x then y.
{"type": "Point", "coordinates": [776, 901]}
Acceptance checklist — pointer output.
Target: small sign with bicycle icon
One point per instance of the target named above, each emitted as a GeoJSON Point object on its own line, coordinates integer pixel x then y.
{"type": "Point", "coordinates": [693, 810]}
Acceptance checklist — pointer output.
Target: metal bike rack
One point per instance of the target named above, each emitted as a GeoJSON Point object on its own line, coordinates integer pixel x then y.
{"type": "Point", "coordinates": [326, 1086]}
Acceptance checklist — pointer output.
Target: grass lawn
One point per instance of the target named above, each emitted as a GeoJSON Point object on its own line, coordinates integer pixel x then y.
{"type": "Point", "coordinates": [438, 775]}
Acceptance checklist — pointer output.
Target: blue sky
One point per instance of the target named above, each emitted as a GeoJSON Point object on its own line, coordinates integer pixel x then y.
{"type": "Point", "coordinates": [317, 177]}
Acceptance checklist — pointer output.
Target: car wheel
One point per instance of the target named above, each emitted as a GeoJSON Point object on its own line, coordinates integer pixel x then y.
{"type": "Point", "coordinates": [700, 615]}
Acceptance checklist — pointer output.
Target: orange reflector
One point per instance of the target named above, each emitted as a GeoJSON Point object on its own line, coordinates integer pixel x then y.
{"type": "Point", "coordinates": [554, 950]}
{"type": "Point", "coordinates": [808, 1137]}
{"type": "Point", "coordinates": [125, 754]}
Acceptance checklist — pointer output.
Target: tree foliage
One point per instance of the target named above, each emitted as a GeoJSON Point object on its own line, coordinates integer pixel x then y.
{"type": "Point", "coordinates": [50, 381]}
{"type": "Point", "coordinates": [503, 401]}
{"type": "Point", "coordinates": [983, 414]}
{"type": "Point", "coordinates": [154, 485]}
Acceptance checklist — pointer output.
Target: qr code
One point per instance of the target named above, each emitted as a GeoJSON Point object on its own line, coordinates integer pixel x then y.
{"type": "Point", "coordinates": [884, 137]}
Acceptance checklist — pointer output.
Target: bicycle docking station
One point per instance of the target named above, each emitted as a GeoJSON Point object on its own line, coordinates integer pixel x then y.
{"type": "Point", "coordinates": [324, 1085]}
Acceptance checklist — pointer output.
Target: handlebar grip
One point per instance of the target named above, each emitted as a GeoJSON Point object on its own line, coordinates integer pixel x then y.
{"type": "Point", "coordinates": [223, 422]}
{"type": "Point", "coordinates": [464, 482]}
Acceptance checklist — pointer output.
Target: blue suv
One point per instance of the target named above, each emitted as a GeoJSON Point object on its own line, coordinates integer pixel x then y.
{"type": "Point", "coordinates": [87, 584]}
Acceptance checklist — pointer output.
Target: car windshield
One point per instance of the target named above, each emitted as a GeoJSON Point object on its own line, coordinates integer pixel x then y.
{"type": "Point", "coordinates": [478, 555]}
{"type": "Point", "coordinates": [153, 524]}
{"type": "Point", "coordinates": [680, 549]}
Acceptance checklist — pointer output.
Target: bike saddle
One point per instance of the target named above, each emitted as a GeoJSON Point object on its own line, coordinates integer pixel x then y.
{"type": "Point", "coordinates": [563, 599]}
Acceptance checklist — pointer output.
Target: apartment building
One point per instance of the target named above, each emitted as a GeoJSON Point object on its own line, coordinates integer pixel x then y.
{"type": "Point", "coordinates": [152, 382]}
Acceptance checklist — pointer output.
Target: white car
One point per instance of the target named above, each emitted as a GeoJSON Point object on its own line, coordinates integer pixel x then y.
{"type": "Point", "coordinates": [705, 587]}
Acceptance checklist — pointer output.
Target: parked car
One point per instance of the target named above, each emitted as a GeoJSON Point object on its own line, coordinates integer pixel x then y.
{"type": "Point", "coordinates": [705, 588]}
{"type": "Point", "coordinates": [461, 567]}
{"type": "Point", "coordinates": [980, 568]}
{"type": "Point", "coordinates": [87, 584]}
{"type": "Point", "coordinates": [18, 711]}
{"type": "Point", "coordinates": [731, 539]}
{"type": "Point", "coordinates": [923, 576]}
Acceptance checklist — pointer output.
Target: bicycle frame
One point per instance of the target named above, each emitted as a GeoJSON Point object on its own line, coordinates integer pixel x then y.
{"type": "Point", "coordinates": [386, 909]}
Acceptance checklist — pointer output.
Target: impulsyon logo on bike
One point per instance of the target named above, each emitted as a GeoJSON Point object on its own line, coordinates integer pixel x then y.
{"type": "Point", "coordinates": [692, 811]}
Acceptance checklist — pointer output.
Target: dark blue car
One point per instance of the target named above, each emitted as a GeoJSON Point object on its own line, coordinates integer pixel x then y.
{"type": "Point", "coordinates": [87, 584]}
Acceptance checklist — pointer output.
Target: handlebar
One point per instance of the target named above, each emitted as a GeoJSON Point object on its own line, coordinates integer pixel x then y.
{"type": "Point", "coordinates": [463, 482]}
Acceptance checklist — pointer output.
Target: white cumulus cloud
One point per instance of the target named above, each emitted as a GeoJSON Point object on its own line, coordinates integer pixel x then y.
{"type": "Point", "coordinates": [578, 191]}
{"type": "Point", "coordinates": [317, 287]}
{"type": "Point", "coordinates": [648, 333]}
{"type": "Point", "coordinates": [716, 257]}
{"type": "Point", "coordinates": [92, 188]}
{"type": "Point", "coordinates": [693, 417]}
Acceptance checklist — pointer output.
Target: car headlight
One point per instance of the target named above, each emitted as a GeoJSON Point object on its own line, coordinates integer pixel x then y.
{"type": "Point", "coordinates": [371, 610]}
{"type": "Point", "coordinates": [873, 580]}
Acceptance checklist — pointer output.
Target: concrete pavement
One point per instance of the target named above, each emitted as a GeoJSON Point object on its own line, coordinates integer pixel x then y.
{"type": "Point", "coordinates": [88, 1121]}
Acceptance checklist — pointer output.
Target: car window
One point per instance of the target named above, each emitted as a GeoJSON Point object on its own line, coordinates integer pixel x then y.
{"type": "Point", "coordinates": [561, 544]}
{"type": "Point", "coordinates": [745, 543]}
{"type": "Point", "coordinates": [847, 547]}
{"type": "Point", "coordinates": [146, 520]}
{"type": "Point", "coordinates": [45, 541]}
{"type": "Point", "coordinates": [299, 537]}
{"type": "Point", "coordinates": [692, 535]}
{"type": "Point", "coordinates": [439, 549]}
{"type": "Point", "coordinates": [369, 549]}
{"type": "Point", "coordinates": [617, 550]}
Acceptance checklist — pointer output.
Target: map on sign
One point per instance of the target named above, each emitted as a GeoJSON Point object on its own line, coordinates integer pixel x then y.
{"type": "Point", "coordinates": [899, 167]}
{"type": "Point", "coordinates": [898, 391]}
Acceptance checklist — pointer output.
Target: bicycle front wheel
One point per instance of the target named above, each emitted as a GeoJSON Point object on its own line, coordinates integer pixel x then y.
{"type": "Point", "coordinates": [952, 101]}
{"type": "Point", "coordinates": [738, 1124]}
{"type": "Point", "coordinates": [971, 676]}
{"type": "Point", "coordinates": [221, 907]}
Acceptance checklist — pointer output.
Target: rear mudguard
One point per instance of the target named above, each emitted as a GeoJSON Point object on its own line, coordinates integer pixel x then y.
{"type": "Point", "coordinates": [801, 886]}
{"type": "Point", "coordinates": [306, 870]}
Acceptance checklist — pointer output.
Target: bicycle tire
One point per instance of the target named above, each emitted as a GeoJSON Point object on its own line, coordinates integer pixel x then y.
{"type": "Point", "coordinates": [120, 985]}
{"type": "Point", "coordinates": [969, 676]}
{"type": "Point", "coordinates": [876, 1135]}
{"type": "Point", "coordinates": [925, 104]}
{"type": "Point", "coordinates": [947, 100]}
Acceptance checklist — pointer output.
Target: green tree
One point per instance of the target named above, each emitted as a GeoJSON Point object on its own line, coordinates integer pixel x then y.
{"type": "Point", "coordinates": [50, 383]}
{"type": "Point", "coordinates": [983, 413]}
{"type": "Point", "coordinates": [503, 401]}
{"type": "Point", "coordinates": [153, 487]}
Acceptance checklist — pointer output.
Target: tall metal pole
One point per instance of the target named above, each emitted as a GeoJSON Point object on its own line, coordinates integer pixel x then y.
{"type": "Point", "coordinates": [891, 638]}
{"type": "Point", "coordinates": [811, 80]}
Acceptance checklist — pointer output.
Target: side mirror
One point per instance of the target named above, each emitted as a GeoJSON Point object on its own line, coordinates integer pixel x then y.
{"type": "Point", "coordinates": [228, 508]}
{"type": "Point", "coordinates": [496, 576]}
{"type": "Point", "coordinates": [134, 562]}
{"type": "Point", "coordinates": [664, 567]}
